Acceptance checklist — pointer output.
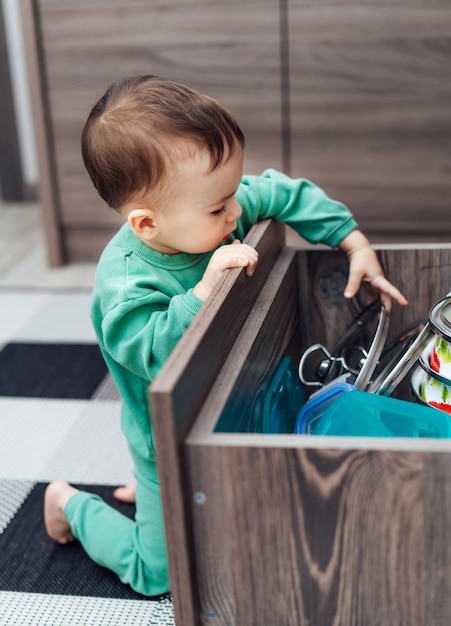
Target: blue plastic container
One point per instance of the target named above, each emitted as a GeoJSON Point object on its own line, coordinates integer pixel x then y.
{"type": "Point", "coordinates": [274, 406]}
{"type": "Point", "coordinates": [368, 415]}
{"type": "Point", "coordinates": [283, 398]}
{"type": "Point", "coordinates": [318, 402]}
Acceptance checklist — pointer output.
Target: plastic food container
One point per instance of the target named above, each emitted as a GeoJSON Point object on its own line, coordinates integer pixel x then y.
{"type": "Point", "coordinates": [368, 415]}
{"type": "Point", "coordinates": [282, 400]}
{"type": "Point", "coordinates": [318, 402]}
{"type": "Point", "coordinates": [274, 408]}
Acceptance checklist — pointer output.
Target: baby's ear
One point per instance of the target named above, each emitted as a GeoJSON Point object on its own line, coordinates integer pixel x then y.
{"type": "Point", "coordinates": [142, 222]}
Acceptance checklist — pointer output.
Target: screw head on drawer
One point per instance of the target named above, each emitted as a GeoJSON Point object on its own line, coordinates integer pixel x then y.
{"type": "Point", "coordinates": [209, 615]}
{"type": "Point", "coordinates": [199, 497]}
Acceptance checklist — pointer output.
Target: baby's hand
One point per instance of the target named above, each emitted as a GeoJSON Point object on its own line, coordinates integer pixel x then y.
{"type": "Point", "coordinates": [236, 254]}
{"type": "Point", "coordinates": [365, 267]}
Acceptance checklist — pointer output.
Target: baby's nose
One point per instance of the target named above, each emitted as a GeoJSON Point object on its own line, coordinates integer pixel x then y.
{"type": "Point", "coordinates": [235, 212]}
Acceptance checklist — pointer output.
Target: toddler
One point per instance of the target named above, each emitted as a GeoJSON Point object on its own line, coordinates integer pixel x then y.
{"type": "Point", "coordinates": [170, 161]}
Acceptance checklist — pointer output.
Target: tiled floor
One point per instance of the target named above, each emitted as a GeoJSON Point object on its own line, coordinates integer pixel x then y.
{"type": "Point", "coordinates": [47, 438]}
{"type": "Point", "coordinates": [23, 257]}
{"type": "Point", "coordinates": [41, 304]}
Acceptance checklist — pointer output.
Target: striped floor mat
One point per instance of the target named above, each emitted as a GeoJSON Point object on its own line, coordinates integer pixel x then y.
{"type": "Point", "coordinates": [59, 419]}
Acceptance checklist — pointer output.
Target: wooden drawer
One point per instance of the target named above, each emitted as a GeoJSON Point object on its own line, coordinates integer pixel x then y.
{"type": "Point", "coordinates": [288, 530]}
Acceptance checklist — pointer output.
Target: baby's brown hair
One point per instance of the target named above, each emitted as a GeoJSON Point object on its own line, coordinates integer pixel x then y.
{"type": "Point", "coordinates": [126, 141]}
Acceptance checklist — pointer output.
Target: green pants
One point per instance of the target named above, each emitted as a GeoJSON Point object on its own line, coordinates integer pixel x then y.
{"type": "Point", "coordinates": [134, 550]}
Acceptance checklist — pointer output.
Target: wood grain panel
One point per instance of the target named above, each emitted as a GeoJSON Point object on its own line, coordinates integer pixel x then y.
{"type": "Point", "coordinates": [213, 571]}
{"type": "Point", "coordinates": [317, 536]}
{"type": "Point", "coordinates": [370, 102]}
{"type": "Point", "coordinates": [437, 543]}
{"type": "Point", "coordinates": [422, 274]}
{"type": "Point", "coordinates": [366, 116]}
{"type": "Point", "coordinates": [230, 53]}
{"type": "Point", "coordinates": [87, 243]}
{"type": "Point", "coordinates": [267, 335]}
{"type": "Point", "coordinates": [270, 332]}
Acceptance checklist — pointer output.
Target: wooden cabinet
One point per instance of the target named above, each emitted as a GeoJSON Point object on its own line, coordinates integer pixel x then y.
{"type": "Point", "coordinates": [370, 110]}
{"type": "Point", "coordinates": [354, 96]}
{"type": "Point", "coordinates": [77, 48]}
{"type": "Point", "coordinates": [290, 529]}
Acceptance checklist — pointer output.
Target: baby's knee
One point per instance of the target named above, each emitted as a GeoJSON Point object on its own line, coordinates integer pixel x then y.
{"type": "Point", "coordinates": [149, 578]}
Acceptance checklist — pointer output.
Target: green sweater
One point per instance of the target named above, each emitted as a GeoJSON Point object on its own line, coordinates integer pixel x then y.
{"type": "Point", "coordinates": [143, 300]}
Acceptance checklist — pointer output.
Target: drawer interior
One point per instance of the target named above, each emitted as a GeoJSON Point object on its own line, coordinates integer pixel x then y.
{"type": "Point", "coordinates": [302, 304]}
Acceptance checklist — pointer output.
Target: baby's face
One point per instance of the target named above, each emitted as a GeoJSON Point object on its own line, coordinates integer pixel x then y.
{"type": "Point", "coordinates": [200, 211]}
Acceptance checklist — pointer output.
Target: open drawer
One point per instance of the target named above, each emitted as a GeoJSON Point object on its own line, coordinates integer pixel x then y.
{"type": "Point", "coordinates": [287, 530]}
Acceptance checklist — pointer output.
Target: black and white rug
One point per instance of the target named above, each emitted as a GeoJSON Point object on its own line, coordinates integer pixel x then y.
{"type": "Point", "coordinates": [59, 419]}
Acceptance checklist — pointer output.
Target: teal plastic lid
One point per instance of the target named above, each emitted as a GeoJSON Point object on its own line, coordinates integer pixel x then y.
{"type": "Point", "coordinates": [364, 414]}
{"type": "Point", "coordinates": [283, 399]}
{"type": "Point", "coordinates": [318, 402]}
{"type": "Point", "coordinates": [271, 408]}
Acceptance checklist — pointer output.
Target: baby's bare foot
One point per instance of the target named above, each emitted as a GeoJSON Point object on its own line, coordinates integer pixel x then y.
{"type": "Point", "coordinates": [127, 493]}
{"type": "Point", "coordinates": [56, 496]}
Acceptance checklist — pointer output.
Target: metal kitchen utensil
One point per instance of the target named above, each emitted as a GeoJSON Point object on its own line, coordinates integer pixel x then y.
{"type": "Point", "coordinates": [393, 351]}
{"type": "Point", "coordinates": [349, 356]}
